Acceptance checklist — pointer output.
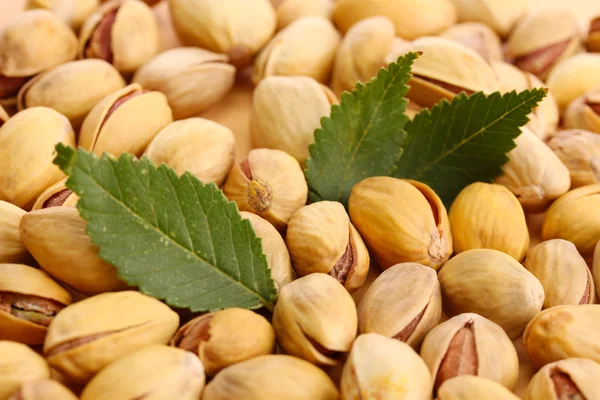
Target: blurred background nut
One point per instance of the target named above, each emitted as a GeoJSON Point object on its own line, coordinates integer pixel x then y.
{"type": "Point", "coordinates": [271, 377]}
{"type": "Point", "coordinates": [286, 111]}
{"type": "Point", "coordinates": [19, 364]}
{"type": "Point", "coordinates": [89, 335]}
{"type": "Point", "coordinates": [401, 221]}
{"type": "Point", "coordinates": [156, 371]}
{"type": "Point", "coordinates": [305, 47]}
{"type": "Point", "coordinates": [403, 303]}
{"type": "Point", "coordinates": [122, 32]}
{"type": "Point", "coordinates": [596, 268]}
{"type": "Point", "coordinates": [43, 389]}
{"type": "Point", "coordinates": [29, 301]}
{"type": "Point", "coordinates": [584, 112]}
{"type": "Point", "coordinates": [226, 337]}
{"type": "Point", "coordinates": [573, 78]}
{"type": "Point", "coordinates": [500, 15]}
{"type": "Point", "coordinates": [315, 319]}
{"type": "Point", "coordinates": [125, 121]}
{"type": "Point", "coordinates": [3, 116]}
{"type": "Point", "coordinates": [56, 238]}
{"type": "Point", "coordinates": [196, 145]}
{"type": "Point", "coordinates": [321, 238]}
{"type": "Point", "coordinates": [469, 387]}
{"type": "Point", "coordinates": [593, 39]}
{"type": "Point", "coordinates": [12, 250]}
{"type": "Point", "coordinates": [269, 183]}
{"type": "Point", "coordinates": [572, 377]}
{"type": "Point", "coordinates": [237, 28]}
{"type": "Point", "coordinates": [492, 284]}
{"type": "Point", "coordinates": [56, 195]}
{"type": "Point", "coordinates": [72, 89]}
{"type": "Point", "coordinates": [27, 142]}
{"type": "Point", "coordinates": [290, 10]}
{"type": "Point", "coordinates": [71, 12]}
{"type": "Point", "coordinates": [376, 367]}
{"type": "Point", "coordinates": [477, 36]}
{"type": "Point", "coordinates": [469, 344]}
{"type": "Point", "coordinates": [192, 79]}
{"type": "Point", "coordinates": [411, 18]}
{"type": "Point", "coordinates": [579, 150]}
{"type": "Point", "coordinates": [489, 216]}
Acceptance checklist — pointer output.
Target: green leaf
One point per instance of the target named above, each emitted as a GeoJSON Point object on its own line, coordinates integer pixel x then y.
{"type": "Point", "coordinates": [363, 136]}
{"type": "Point", "coordinates": [464, 141]}
{"type": "Point", "coordinates": [175, 237]}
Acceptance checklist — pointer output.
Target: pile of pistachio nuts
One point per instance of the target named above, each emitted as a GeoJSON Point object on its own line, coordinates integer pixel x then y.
{"type": "Point", "coordinates": [394, 297]}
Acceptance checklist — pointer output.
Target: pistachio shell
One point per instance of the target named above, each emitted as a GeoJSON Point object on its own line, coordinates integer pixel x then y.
{"type": "Point", "coordinates": [401, 221]}
{"type": "Point", "coordinates": [477, 36]}
{"type": "Point", "coordinates": [468, 387]}
{"type": "Point", "coordinates": [44, 389]}
{"type": "Point", "coordinates": [384, 369]}
{"type": "Point", "coordinates": [584, 112]}
{"type": "Point", "coordinates": [89, 335]}
{"type": "Point", "coordinates": [593, 39]}
{"type": "Point", "coordinates": [3, 116]}
{"type": "Point", "coordinates": [202, 147]}
{"type": "Point", "coordinates": [500, 15]}
{"type": "Point", "coordinates": [596, 268]}
{"type": "Point", "coordinates": [19, 364]}
{"type": "Point", "coordinates": [574, 77]}
{"type": "Point", "coordinates": [71, 12]}
{"type": "Point", "coordinates": [55, 196]}
{"type": "Point", "coordinates": [12, 250]}
{"type": "Point", "coordinates": [27, 142]}
{"type": "Point", "coordinates": [289, 11]}
{"type": "Point", "coordinates": [573, 377]}
{"type": "Point", "coordinates": [579, 150]}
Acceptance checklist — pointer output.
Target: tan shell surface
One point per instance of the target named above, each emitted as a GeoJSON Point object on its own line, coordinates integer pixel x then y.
{"type": "Point", "coordinates": [19, 364]}
{"type": "Point", "coordinates": [71, 12]}
{"type": "Point", "coordinates": [70, 201]}
{"type": "Point", "coordinates": [477, 36]}
{"type": "Point", "coordinates": [44, 389]}
{"type": "Point", "coordinates": [12, 250]}
{"type": "Point", "coordinates": [579, 150]}
{"type": "Point", "coordinates": [584, 373]}
{"type": "Point", "coordinates": [573, 78]}
{"type": "Point", "coordinates": [468, 387]}
{"type": "Point", "coordinates": [289, 11]}
{"type": "Point", "coordinates": [500, 15]}
{"type": "Point", "coordinates": [596, 268]}
{"type": "Point", "coordinates": [579, 115]}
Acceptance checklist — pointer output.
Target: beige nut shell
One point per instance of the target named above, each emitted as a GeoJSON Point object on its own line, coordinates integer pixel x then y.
{"type": "Point", "coordinates": [584, 373]}
{"type": "Point", "coordinates": [46, 197]}
{"type": "Point", "coordinates": [19, 364]}
{"type": "Point", "coordinates": [579, 115]}
{"type": "Point", "coordinates": [500, 15]}
{"type": "Point", "coordinates": [469, 387]}
{"type": "Point", "coordinates": [596, 268]}
{"type": "Point", "coordinates": [574, 77]}
{"type": "Point", "coordinates": [44, 389]}
{"type": "Point", "coordinates": [579, 150]}
{"type": "Point", "coordinates": [12, 250]}
{"type": "Point", "coordinates": [71, 12]}
{"type": "Point", "coordinates": [477, 36]}
{"type": "Point", "coordinates": [290, 10]}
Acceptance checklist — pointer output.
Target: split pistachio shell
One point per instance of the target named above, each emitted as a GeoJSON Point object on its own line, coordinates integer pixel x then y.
{"type": "Point", "coordinates": [56, 238]}
{"type": "Point", "coordinates": [193, 79]}
{"type": "Point", "coordinates": [271, 377]}
{"type": "Point", "coordinates": [122, 32]}
{"type": "Point", "coordinates": [572, 377]}
{"type": "Point", "coordinates": [403, 303]}
{"type": "Point", "coordinates": [563, 332]}
{"type": "Point", "coordinates": [305, 47]}
{"type": "Point", "coordinates": [72, 89]}
{"type": "Point", "coordinates": [315, 319]}
{"type": "Point", "coordinates": [55, 196]}
{"type": "Point", "coordinates": [89, 335]}
{"type": "Point", "coordinates": [534, 173]}
{"type": "Point", "coordinates": [289, 11]}
{"type": "Point", "coordinates": [3, 116]}
{"type": "Point", "coordinates": [29, 301]}
{"type": "Point", "coordinates": [226, 337]}
{"type": "Point", "coordinates": [44, 389]}
{"type": "Point", "coordinates": [401, 221]}
{"type": "Point", "coordinates": [239, 29]}
{"type": "Point", "coordinates": [385, 369]}
{"type": "Point", "coordinates": [19, 364]}
{"type": "Point", "coordinates": [412, 18]}
{"type": "Point", "coordinates": [125, 121]}
{"type": "Point", "coordinates": [573, 78]}
{"type": "Point", "coordinates": [489, 216]}
{"type": "Point", "coordinates": [154, 372]}
{"type": "Point", "coordinates": [469, 387]}
{"type": "Point", "coordinates": [584, 112]}
{"type": "Point", "coordinates": [469, 344]}
{"type": "Point", "coordinates": [269, 183]}
{"type": "Point", "coordinates": [27, 142]}
{"type": "Point", "coordinates": [477, 36]}
{"type": "Point", "coordinates": [596, 268]}
{"type": "Point", "coordinates": [593, 39]}
{"type": "Point", "coordinates": [196, 145]}
{"type": "Point", "coordinates": [493, 285]}
{"type": "Point", "coordinates": [71, 12]}
{"type": "Point", "coordinates": [500, 15]}
{"type": "Point", "coordinates": [321, 238]}
{"type": "Point", "coordinates": [12, 250]}
{"type": "Point", "coordinates": [286, 110]}
{"type": "Point", "coordinates": [579, 150]}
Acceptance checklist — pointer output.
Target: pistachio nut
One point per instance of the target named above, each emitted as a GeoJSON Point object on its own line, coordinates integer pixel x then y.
{"type": "Point", "coordinates": [403, 303]}
{"type": "Point", "coordinates": [469, 387]}
{"type": "Point", "coordinates": [542, 40]}
{"type": "Point", "coordinates": [362, 53]}
{"type": "Point", "coordinates": [72, 89]}
{"type": "Point", "coordinates": [31, 42]}
{"type": "Point", "coordinates": [593, 39]}
{"type": "Point", "coordinates": [12, 250]}
{"type": "Point", "coordinates": [71, 12]}
{"type": "Point", "coordinates": [575, 217]}
{"type": "Point", "coordinates": [122, 32]}
{"type": "Point", "coordinates": [596, 269]}
{"type": "Point", "coordinates": [27, 142]}
{"type": "Point", "coordinates": [500, 15]}
{"type": "Point", "coordinates": [315, 319]}
{"type": "Point", "coordinates": [584, 112]}
{"type": "Point", "coordinates": [321, 238]}
{"type": "Point", "coordinates": [238, 29]}
{"type": "Point", "coordinates": [469, 344]}
{"type": "Point", "coordinates": [445, 69]}
{"type": "Point", "coordinates": [401, 221]}
{"type": "Point", "coordinates": [569, 378]}
{"type": "Point", "coordinates": [56, 195]}
{"type": "Point", "coordinates": [29, 301]}
{"type": "Point", "coordinates": [125, 121]}
{"type": "Point", "coordinates": [196, 145]}
{"type": "Point", "coordinates": [269, 183]}
{"type": "Point", "coordinates": [3, 116]}
{"type": "Point", "coordinates": [579, 150]}
{"type": "Point", "coordinates": [290, 10]}
{"type": "Point", "coordinates": [573, 78]}
{"type": "Point", "coordinates": [563, 332]}
{"type": "Point", "coordinates": [43, 389]}
{"type": "Point", "coordinates": [56, 238]}
{"type": "Point", "coordinates": [271, 377]}
{"type": "Point", "coordinates": [19, 364]}
{"type": "Point", "coordinates": [226, 337]}
{"type": "Point", "coordinates": [89, 335]}
{"type": "Point", "coordinates": [193, 79]}
{"type": "Point", "coordinates": [385, 369]}
{"type": "Point", "coordinates": [412, 19]}
{"type": "Point", "coordinates": [153, 372]}
{"type": "Point", "coordinates": [305, 47]}
{"type": "Point", "coordinates": [494, 285]}
{"type": "Point", "coordinates": [477, 36]}
{"type": "Point", "coordinates": [286, 110]}
{"type": "Point", "coordinates": [534, 173]}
